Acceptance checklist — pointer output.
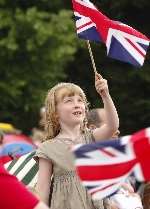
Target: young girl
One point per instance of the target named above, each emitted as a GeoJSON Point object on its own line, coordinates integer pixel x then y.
{"type": "Point", "coordinates": [66, 109]}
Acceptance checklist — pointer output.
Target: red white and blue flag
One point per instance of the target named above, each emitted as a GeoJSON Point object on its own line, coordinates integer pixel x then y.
{"type": "Point", "coordinates": [122, 41]}
{"type": "Point", "coordinates": [104, 166]}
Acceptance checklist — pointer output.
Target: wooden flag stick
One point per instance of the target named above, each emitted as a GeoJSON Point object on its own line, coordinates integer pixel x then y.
{"type": "Point", "coordinates": [91, 56]}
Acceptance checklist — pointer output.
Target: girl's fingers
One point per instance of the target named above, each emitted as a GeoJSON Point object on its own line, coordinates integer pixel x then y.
{"type": "Point", "coordinates": [101, 81]}
{"type": "Point", "coordinates": [98, 76]}
{"type": "Point", "coordinates": [101, 87]}
{"type": "Point", "coordinates": [101, 84]}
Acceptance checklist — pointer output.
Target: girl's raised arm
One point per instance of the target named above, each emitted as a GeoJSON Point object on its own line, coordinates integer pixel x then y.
{"type": "Point", "coordinates": [112, 121]}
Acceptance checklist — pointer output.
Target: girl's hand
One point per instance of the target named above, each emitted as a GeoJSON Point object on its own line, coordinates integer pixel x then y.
{"type": "Point", "coordinates": [101, 85]}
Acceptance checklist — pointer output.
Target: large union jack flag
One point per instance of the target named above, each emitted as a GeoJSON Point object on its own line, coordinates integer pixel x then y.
{"type": "Point", "coordinates": [122, 41]}
{"type": "Point", "coordinates": [104, 166]}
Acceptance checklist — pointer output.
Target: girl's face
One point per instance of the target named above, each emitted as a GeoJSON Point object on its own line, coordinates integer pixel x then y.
{"type": "Point", "coordinates": [70, 109]}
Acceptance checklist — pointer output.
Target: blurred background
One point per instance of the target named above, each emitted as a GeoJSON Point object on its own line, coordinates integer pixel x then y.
{"type": "Point", "coordinates": [39, 47]}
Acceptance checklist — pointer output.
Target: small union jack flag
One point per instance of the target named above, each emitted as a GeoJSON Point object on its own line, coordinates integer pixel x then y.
{"type": "Point", "coordinates": [122, 41]}
{"type": "Point", "coordinates": [86, 29]}
{"type": "Point", "coordinates": [104, 166]}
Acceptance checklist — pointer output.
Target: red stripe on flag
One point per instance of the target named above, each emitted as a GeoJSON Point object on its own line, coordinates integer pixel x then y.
{"type": "Point", "coordinates": [101, 172]}
{"type": "Point", "coordinates": [102, 189]}
{"type": "Point", "coordinates": [84, 25]}
{"type": "Point", "coordinates": [109, 153]}
{"type": "Point", "coordinates": [135, 47]}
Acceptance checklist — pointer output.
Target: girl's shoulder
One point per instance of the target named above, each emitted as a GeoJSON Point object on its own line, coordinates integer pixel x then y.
{"type": "Point", "coordinates": [52, 144]}
{"type": "Point", "coordinates": [48, 149]}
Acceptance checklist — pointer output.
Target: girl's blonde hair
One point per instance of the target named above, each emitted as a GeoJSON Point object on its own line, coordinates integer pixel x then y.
{"type": "Point", "coordinates": [52, 126]}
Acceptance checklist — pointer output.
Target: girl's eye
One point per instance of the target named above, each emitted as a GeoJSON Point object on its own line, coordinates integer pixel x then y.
{"type": "Point", "coordinates": [80, 100]}
{"type": "Point", "coordinates": [67, 100]}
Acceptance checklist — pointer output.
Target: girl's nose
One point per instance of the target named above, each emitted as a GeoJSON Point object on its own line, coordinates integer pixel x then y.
{"type": "Point", "coordinates": [76, 104]}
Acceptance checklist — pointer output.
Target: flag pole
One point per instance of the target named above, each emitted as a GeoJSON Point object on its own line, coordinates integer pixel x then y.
{"type": "Point", "coordinates": [91, 56]}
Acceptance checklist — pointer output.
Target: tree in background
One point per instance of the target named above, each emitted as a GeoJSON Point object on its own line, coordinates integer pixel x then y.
{"type": "Point", "coordinates": [35, 45]}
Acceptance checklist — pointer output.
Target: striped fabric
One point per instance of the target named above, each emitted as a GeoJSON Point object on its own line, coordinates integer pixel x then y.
{"type": "Point", "coordinates": [25, 169]}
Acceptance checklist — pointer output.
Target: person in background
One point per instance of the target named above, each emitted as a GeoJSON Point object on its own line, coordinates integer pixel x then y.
{"type": "Point", "coordinates": [66, 108]}
{"type": "Point", "coordinates": [37, 134]}
{"type": "Point", "coordinates": [14, 195]}
{"type": "Point", "coordinates": [96, 117]}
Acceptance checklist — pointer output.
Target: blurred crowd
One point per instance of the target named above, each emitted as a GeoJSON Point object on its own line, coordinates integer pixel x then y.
{"type": "Point", "coordinates": [37, 133]}
{"type": "Point", "coordinates": [95, 117]}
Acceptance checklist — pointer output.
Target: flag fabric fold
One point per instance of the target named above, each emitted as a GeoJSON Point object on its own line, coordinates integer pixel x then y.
{"type": "Point", "coordinates": [122, 41]}
{"type": "Point", "coordinates": [104, 166]}
{"type": "Point", "coordinates": [24, 168]}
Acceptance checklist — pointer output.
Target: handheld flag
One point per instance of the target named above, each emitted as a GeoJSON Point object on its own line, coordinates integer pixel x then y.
{"type": "Point", "coordinates": [25, 169]}
{"type": "Point", "coordinates": [104, 166]}
{"type": "Point", "coordinates": [122, 41]}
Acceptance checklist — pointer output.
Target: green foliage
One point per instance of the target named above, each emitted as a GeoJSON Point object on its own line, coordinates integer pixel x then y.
{"type": "Point", "coordinates": [35, 46]}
